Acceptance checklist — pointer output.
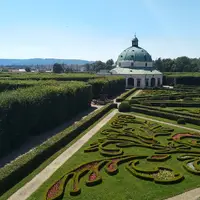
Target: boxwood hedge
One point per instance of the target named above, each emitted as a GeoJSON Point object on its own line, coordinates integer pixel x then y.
{"type": "Point", "coordinates": [33, 110]}
{"type": "Point", "coordinates": [15, 171]}
{"type": "Point", "coordinates": [109, 85]}
{"type": "Point", "coordinates": [126, 94]}
{"type": "Point", "coordinates": [167, 115]}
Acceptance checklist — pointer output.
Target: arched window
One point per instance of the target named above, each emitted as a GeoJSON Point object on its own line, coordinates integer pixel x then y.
{"type": "Point", "coordinates": [153, 82]}
{"type": "Point", "coordinates": [131, 82]}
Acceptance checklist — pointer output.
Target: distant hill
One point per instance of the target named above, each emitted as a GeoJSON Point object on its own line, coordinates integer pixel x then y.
{"type": "Point", "coordinates": [41, 61]}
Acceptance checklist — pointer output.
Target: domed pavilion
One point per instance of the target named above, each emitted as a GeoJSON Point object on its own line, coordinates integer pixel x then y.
{"type": "Point", "coordinates": [136, 64]}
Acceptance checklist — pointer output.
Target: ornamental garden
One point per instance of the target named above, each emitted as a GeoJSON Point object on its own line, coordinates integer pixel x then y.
{"type": "Point", "coordinates": [150, 149]}
{"type": "Point", "coordinates": [127, 155]}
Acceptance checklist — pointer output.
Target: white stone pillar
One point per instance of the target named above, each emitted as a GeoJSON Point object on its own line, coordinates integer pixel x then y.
{"type": "Point", "coordinates": [156, 82]}
{"type": "Point", "coordinates": [126, 82]}
{"type": "Point", "coordinates": [143, 82]}
{"type": "Point", "coordinates": [150, 81]}
{"type": "Point", "coordinates": [135, 82]}
{"type": "Point", "coordinates": [161, 80]}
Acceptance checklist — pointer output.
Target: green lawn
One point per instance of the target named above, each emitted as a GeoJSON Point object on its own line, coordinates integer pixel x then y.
{"type": "Point", "coordinates": [46, 162]}
{"type": "Point", "coordinates": [157, 92]}
{"type": "Point", "coordinates": [191, 110]}
{"type": "Point", "coordinates": [142, 140]}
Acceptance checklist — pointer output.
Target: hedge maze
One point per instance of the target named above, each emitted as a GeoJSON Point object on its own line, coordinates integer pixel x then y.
{"type": "Point", "coordinates": [151, 148]}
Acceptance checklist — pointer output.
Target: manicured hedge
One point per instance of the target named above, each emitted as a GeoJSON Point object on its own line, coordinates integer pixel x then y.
{"type": "Point", "coordinates": [168, 111]}
{"type": "Point", "coordinates": [109, 85]}
{"type": "Point", "coordinates": [6, 85]}
{"type": "Point", "coordinates": [37, 109]}
{"type": "Point", "coordinates": [50, 76]}
{"type": "Point", "coordinates": [14, 172]}
{"type": "Point", "coordinates": [171, 103]}
{"type": "Point", "coordinates": [126, 94]}
{"type": "Point", "coordinates": [124, 107]}
{"type": "Point", "coordinates": [166, 115]}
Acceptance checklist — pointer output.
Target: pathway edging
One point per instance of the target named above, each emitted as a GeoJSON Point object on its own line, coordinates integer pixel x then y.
{"type": "Point", "coordinates": [24, 192]}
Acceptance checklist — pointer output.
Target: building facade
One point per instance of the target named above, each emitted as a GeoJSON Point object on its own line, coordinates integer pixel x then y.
{"type": "Point", "coordinates": [136, 65]}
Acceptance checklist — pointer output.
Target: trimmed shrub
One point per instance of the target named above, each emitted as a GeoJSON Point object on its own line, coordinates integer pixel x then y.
{"type": "Point", "coordinates": [165, 114]}
{"type": "Point", "coordinates": [180, 121]}
{"type": "Point", "coordinates": [145, 103]}
{"type": "Point", "coordinates": [15, 171]}
{"type": "Point", "coordinates": [33, 110]}
{"type": "Point", "coordinates": [126, 94]}
{"type": "Point", "coordinates": [133, 101]}
{"type": "Point", "coordinates": [110, 86]}
{"type": "Point", "coordinates": [163, 105]}
{"type": "Point", "coordinates": [187, 98]}
{"type": "Point", "coordinates": [50, 76]}
{"type": "Point", "coordinates": [124, 107]}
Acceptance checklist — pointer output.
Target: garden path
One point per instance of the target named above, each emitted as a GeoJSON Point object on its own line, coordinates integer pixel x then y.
{"type": "Point", "coordinates": [30, 187]}
{"type": "Point", "coordinates": [190, 195]}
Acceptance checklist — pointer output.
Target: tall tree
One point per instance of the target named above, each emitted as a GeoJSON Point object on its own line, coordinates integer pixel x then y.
{"type": "Point", "coordinates": [58, 68]}
{"type": "Point", "coordinates": [109, 64]}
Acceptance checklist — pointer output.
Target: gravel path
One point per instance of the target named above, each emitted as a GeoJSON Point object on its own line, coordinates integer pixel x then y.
{"type": "Point", "coordinates": [30, 187]}
{"type": "Point", "coordinates": [190, 195]}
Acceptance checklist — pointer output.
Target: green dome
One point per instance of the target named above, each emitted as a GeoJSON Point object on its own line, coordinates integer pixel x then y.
{"type": "Point", "coordinates": [135, 53]}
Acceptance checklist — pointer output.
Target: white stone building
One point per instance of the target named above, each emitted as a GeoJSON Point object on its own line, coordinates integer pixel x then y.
{"type": "Point", "coordinates": [136, 65]}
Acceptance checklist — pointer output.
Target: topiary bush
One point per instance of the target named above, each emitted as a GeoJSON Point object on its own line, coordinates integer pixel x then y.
{"type": "Point", "coordinates": [180, 121]}
{"type": "Point", "coordinates": [124, 107]}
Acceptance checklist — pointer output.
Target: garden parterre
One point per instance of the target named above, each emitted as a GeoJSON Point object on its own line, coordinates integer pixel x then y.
{"type": "Point", "coordinates": [126, 156]}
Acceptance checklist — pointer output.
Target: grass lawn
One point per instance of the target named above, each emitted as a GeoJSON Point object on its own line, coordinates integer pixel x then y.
{"type": "Point", "coordinates": [46, 163]}
{"type": "Point", "coordinates": [157, 92]}
{"type": "Point", "coordinates": [133, 138]}
{"type": "Point", "coordinates": [191, 110]}
{"type": "Point", "coordinates": [168, 120]}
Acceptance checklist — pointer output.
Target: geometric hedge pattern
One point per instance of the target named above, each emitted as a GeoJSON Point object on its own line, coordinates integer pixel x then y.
{"type": "Point", "coordinates": [121, 134]}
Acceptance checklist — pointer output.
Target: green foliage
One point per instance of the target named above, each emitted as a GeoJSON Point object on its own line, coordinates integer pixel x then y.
{"type": "Point", "coordinates": [110, 86]}
{"type": "Point", "coordinates": [145, 103]}
{"type": "Point", "coordinates": [180, 121]}
{"type": "Point", "coordinates": [163, 105]}
{"type": "Point", "coordinates": [48, 76]}
{"type": "Point", "coordinates": [165, 114]}
{"type": "Point", "coordinates": [28, 69]}
{"type": "Point", "coordinates": [6, 85]}
{"type": "Point", "coordinates": [180, 64]}
{"type": "Point", "coordinates": [134, 101]}
{"type": "Point", "coordinates": [187, 98]}
{"type": "Point", "coordinates": [25, 164]}
{"type": "Point", "coordinates": [58, 68]}
{"type": "Point", "coordinates": [124, 107]}
{"type": "Point", "coordinates": [126, 94]}
{"type": "Point", "coordinates": [36, 109]}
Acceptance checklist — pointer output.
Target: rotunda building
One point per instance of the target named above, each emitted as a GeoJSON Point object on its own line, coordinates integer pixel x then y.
{"type": "Point", "coordinates": [136, 65]}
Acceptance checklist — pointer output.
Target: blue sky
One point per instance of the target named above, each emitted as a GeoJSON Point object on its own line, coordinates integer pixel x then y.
{"type": "Point", "coordinates": [98, 29]}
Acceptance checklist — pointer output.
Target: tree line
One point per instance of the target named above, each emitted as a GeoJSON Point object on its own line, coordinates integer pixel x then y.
{"type": "Point", "coordinates": [89, 67]}
{"type": "Point", "coordinates": [180, 64]}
